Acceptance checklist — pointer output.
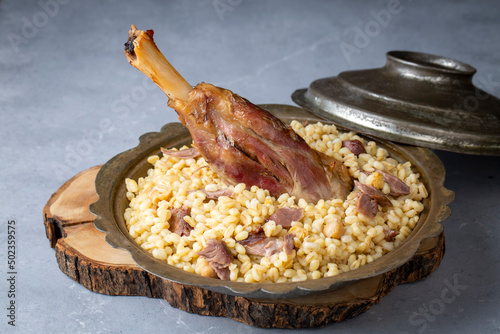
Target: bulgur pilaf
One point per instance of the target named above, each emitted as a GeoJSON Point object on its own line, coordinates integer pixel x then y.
{"type": "Point", "coordinates": [332, 236]}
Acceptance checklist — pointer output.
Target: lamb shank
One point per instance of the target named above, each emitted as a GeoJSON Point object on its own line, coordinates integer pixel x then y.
{"type": "Point", "coordinates": [241, 142]}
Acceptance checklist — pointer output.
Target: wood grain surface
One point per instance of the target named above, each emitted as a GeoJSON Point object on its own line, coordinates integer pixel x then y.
{"type": "Point", "coordinates": [83, 254]}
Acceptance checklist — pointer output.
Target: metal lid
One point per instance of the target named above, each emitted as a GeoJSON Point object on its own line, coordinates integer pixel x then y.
{"type": "Point", "coordinates": [416, 98]}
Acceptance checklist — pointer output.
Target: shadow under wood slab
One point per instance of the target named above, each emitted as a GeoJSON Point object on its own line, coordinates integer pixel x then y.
{"type": "Point", "coordinates": [83, 254]}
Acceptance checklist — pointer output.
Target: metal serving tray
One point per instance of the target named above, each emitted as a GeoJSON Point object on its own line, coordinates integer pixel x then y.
{"type": "Point", "coordinates": [109, 209]}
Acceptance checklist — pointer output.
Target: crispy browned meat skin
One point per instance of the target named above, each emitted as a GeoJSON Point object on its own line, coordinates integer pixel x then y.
{"type": "Point", "coordinates": [240, 141]}
{"type": "Point", "coordinates": [245, 144]}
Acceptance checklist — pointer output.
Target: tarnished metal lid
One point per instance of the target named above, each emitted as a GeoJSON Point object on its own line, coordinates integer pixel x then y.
{"type": "Point", "coordinates": [416, 98]}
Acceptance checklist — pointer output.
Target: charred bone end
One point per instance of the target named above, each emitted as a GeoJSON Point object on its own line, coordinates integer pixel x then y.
{"type": "Point", "coordinates": [129, 45]}
{"type": "Point", "coordinates": [132, 36]}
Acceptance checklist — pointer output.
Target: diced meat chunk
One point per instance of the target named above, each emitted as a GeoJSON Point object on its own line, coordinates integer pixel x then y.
{"type": "Point", "coordinates": [390, 235]}
{"type": "Point", "coordinates": [177, 223]}
{"type": "Point", "coordinates": [354, 145]}
{"type": "Point", "coordinates": [367, 205]}
{"type": "Point", "coordinates": [216, 194]}
{"type": "Point", "coordinates": [398, 187]}
{"type": "Point", "coordinates": [374, 193]}
{"type": "Point", "coordinates": [218, 256]}
{"type": "Point", "coordinates": [273, 246]}
{"type": "Point", "coordinates": [285, 216]}
{"type": "Point", "coordinates": [369, 198]}
{"type": "Point", "coordinates": [258, 244]}
{"type": "Point", "coordinates": [223, 273]}
{"type": "Point", "coordinates": [216, 252]}
{"type": "Point", "coordinates": [181, 154]}
{"type": "Point", "coordinates": [288, 244]}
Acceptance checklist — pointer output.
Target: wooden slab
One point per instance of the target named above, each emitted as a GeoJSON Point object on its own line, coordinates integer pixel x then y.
{"type": "Point", "coordinates": [83, 254]}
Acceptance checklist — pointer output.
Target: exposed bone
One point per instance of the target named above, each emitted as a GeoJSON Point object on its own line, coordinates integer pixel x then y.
{"type": "Point", "coordinates": [142, 53]}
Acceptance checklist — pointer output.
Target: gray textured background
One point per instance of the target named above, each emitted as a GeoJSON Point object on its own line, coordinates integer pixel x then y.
{"type": "Point", "coordinates": [64, 83]}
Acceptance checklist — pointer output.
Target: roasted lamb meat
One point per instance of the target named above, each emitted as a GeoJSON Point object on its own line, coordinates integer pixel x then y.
{"type": "Point", "coordinates": [240, 141]}
{"type": "Point", "coordinates": [218, 257]}
{"type": "Point", "coordinates": [259, 244]}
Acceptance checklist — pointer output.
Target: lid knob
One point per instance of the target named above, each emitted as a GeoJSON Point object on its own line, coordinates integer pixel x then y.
{"type": "Point", "coordinates": [424, 66]}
